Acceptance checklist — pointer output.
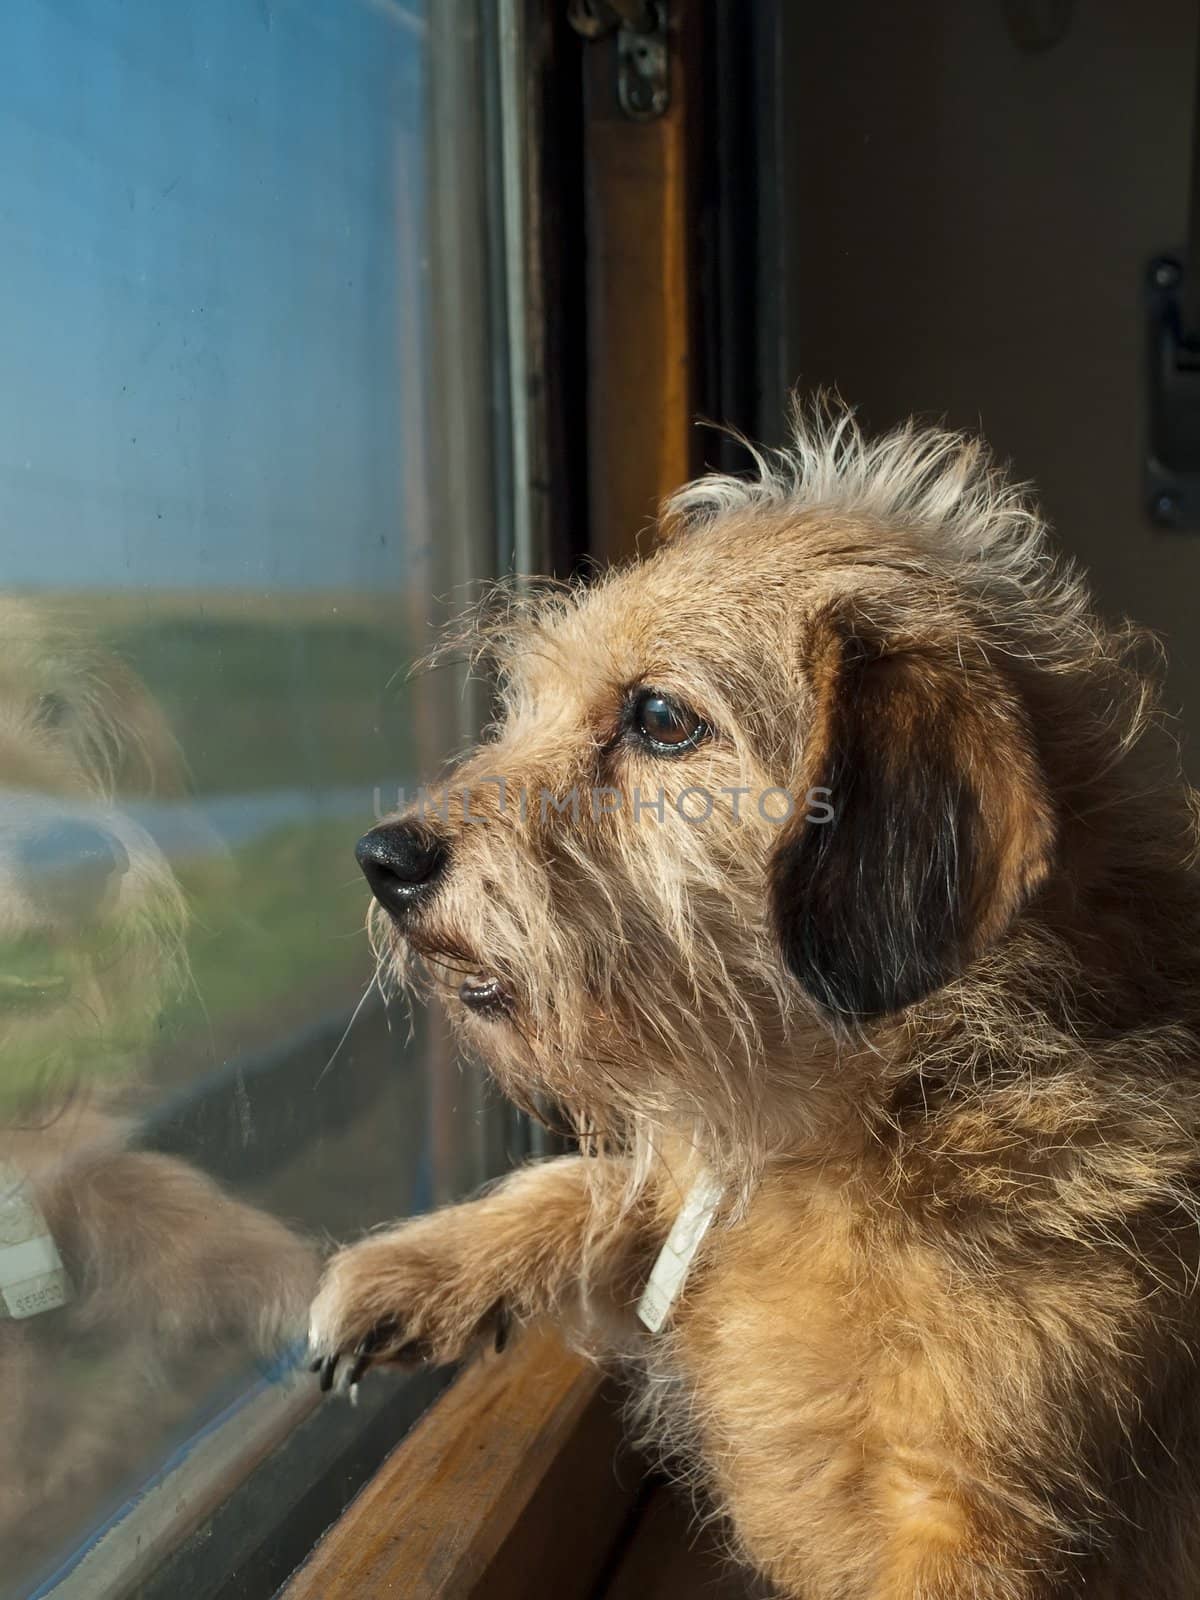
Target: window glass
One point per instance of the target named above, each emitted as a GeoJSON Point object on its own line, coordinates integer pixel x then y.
{"type": "Point", "coordinates": [217, 557]}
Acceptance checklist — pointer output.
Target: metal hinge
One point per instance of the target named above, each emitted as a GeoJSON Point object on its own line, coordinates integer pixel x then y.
{"type": "Point", "coordinates": [642, 58]}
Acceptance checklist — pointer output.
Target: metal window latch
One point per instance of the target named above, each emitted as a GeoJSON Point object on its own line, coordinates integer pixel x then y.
{"type": "Point", "coordinates": [1172, 472]}
{"type": "Point", "coordinates": [642, 56]}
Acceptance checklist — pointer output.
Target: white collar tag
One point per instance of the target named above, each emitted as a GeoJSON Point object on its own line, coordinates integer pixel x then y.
{"type": "Point", "coordinates": [669, 1272]}
{"type": "Point", "coordinates": [32, 1276]}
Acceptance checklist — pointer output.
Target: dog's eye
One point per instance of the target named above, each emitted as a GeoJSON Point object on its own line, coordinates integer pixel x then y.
{"type": "Point", "coordinates": [666, 726]}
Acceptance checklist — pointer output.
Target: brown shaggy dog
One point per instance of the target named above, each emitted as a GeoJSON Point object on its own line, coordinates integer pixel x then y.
{"type": "Point", "coordinates": [939, 1051]}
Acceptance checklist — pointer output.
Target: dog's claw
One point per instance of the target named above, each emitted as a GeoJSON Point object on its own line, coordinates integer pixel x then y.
{"type": "Point", "coordinates": [378, 1335]}
{"type": "Point", "coordinates": [365, 1353]}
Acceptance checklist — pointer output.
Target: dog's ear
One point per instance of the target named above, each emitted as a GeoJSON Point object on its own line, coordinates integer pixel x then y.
{"type": "Point", "coordinates": [941, 827]}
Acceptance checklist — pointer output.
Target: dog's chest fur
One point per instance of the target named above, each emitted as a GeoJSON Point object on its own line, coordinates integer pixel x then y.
{"type": "Point", "coordinates": [836, 1378]}
{"type": "Point", "coordinates": [783, 1362]}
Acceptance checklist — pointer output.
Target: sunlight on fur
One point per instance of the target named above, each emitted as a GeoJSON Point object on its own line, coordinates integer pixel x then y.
{"type": "Point", "coordinates": [941, 1051]}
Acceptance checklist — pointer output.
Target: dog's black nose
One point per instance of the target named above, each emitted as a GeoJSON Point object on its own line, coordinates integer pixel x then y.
{"type": "Point", "coordinates": [402, 861]}
{"type": "Point", "coordinates": [69, 868]}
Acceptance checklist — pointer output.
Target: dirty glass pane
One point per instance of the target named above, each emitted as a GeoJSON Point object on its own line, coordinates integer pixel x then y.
{"type": "Point", "coordinates": [216, 562]}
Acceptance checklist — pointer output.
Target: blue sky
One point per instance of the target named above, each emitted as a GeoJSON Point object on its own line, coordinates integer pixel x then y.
{"type": "Point", "coordinates": [210, 262]}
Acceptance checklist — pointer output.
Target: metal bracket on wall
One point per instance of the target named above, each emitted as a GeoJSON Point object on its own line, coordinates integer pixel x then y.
{"type": "Point", "coordinates": [1172, 467]}
{"type": "Point", "coordinates": [642, 57]}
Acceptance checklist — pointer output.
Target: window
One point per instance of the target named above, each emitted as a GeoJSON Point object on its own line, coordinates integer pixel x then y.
{"type": "Point", "coordinates": [254, 421]}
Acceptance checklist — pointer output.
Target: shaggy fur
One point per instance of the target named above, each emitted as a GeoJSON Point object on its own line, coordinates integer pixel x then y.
{"type": "Point", "coordinates": [941, 1050]}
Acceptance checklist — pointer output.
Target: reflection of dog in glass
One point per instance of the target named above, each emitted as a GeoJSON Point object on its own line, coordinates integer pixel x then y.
{"type": "Point", "coordinates": [116, 1262]}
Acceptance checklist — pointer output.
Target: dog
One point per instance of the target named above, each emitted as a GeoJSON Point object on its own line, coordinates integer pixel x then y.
{"type": "Point", "coordinates": [922, 1053]}
{"type": "Point", "coordinates": [146, 1270]}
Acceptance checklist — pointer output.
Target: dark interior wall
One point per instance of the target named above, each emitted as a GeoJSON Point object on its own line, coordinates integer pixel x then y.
{"type": "Point", "coordinates": [964, 232]}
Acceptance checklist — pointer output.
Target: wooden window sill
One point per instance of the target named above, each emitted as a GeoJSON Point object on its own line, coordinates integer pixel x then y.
{"type": "Point", "coordinates": [515, 1484]}
{"type": "Point", "coordinates": [509, 1478]}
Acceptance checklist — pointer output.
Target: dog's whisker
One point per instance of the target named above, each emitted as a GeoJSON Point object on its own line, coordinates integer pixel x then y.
{"type": "Point", "coordinates": [354, 1015]}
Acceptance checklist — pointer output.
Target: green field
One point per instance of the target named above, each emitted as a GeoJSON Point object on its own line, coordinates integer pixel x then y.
{"type": "Point", "coordinates": [276, 701]}
{"type": "Point", "coordinates": [280, 696]}
{"type": "Point", "coordinates": [265, 698]}
{"type": "Point", "coordinates": [285, 915]}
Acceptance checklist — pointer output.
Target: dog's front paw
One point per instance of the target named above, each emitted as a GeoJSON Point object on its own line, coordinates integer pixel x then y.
{"type": "Point", "coordinates": [399, 1299]}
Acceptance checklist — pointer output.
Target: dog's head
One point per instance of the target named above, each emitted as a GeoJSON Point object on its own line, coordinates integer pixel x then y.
{"type": "Point", "coordinates": [90, 914]}
{"type": "Point", "coordinates": [787, 778]}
